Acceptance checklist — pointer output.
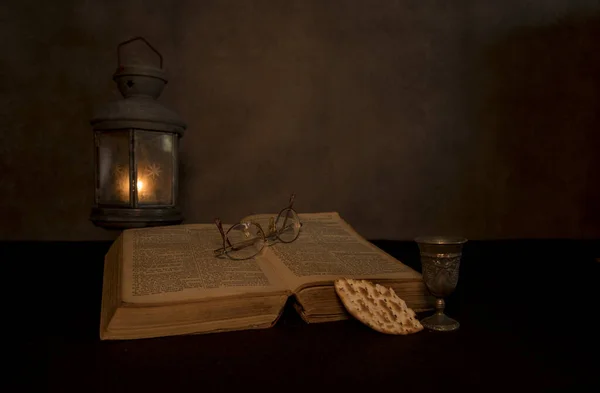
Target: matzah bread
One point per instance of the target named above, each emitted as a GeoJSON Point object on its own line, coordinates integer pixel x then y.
{"type": "Point", "coordinates": [377, 306]}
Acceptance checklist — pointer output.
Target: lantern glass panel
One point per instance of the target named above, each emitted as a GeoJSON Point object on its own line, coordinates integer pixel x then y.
{"type": "Point", "coordinates": [155, 163]}
{"type": "Point", "coordinates": [113, 168]}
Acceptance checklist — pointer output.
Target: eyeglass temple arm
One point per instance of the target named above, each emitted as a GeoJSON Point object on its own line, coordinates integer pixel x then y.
{"type": "Point", "coordinates": [291, 204]}
{"type": "Point", "coordinates": [238, 246]}
{"type": "Point", "coordinates": [219, 225]}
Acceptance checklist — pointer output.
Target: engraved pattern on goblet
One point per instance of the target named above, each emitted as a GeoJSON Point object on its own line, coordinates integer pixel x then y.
{"type": "Point", "coordinates": [440, 273]}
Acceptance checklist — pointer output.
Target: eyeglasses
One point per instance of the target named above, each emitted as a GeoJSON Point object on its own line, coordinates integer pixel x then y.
{"type": "Point", "coordinates": [247, 239]}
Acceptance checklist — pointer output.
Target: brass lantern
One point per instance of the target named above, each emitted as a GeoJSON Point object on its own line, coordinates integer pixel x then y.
{"type": "Point", "coordinates": [136, 151]}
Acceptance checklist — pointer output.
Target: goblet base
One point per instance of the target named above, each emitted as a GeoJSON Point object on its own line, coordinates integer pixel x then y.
{"type": "Point", "coordinates": [440, 322]}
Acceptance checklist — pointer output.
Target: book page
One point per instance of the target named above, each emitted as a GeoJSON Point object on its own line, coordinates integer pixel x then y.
{"type": "Point", "coordinates": [328, 248]}
{"type": "Point", "coordinates": [176, 263]}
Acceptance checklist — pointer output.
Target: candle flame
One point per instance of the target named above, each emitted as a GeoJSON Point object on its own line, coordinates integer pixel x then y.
{"type": "Point", "coordinates": [144, 187]}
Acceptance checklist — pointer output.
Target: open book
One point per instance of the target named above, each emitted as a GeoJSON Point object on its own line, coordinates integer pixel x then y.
{"type": "Point", "coordinates": [166, 280]}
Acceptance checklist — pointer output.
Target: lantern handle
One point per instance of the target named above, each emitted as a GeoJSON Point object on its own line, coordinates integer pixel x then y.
{"type": "Point", "coordinates": [135, 39]}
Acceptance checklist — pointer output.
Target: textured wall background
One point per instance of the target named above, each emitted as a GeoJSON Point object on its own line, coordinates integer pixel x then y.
{"type": "Point", "coordinates": [408, 117]}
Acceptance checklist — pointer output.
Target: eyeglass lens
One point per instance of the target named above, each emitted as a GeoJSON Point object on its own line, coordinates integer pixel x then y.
{"type": "Point", "coordinates": [246, 239]}
{"type": "Point", "coordinates": [287, 225]}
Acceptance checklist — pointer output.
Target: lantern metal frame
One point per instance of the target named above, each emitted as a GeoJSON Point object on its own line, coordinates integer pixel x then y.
{"type": "Point", "coordinates": [140, 86]}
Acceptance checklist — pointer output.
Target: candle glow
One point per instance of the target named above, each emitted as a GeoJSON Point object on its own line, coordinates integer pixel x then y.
{"type": "Point", "coordinates": [143, 188]}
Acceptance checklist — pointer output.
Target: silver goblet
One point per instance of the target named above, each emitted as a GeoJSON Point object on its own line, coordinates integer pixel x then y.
{"type": "Point", "coordinates": [440, 259]}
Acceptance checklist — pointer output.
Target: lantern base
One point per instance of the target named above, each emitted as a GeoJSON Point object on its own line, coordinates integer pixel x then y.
{"type": "Point", "coordinates": [124, 218]}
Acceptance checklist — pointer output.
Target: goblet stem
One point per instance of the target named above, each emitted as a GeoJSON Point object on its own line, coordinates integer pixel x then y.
{"type": "Point", "coordinates": [440, 321]}
{"type": "Point", "coordinates": [440, 305]}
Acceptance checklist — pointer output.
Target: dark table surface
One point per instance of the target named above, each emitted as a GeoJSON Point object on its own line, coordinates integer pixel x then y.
{"type": "Point", "coordinates": [527, 308]}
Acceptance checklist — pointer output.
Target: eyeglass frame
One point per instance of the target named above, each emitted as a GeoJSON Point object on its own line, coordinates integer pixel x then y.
{"type": "Point", "coordinates": [272, 231]}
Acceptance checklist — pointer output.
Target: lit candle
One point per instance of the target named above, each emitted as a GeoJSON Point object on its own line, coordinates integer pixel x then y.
{"type": "Point", "coordinates": [144, 188]}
